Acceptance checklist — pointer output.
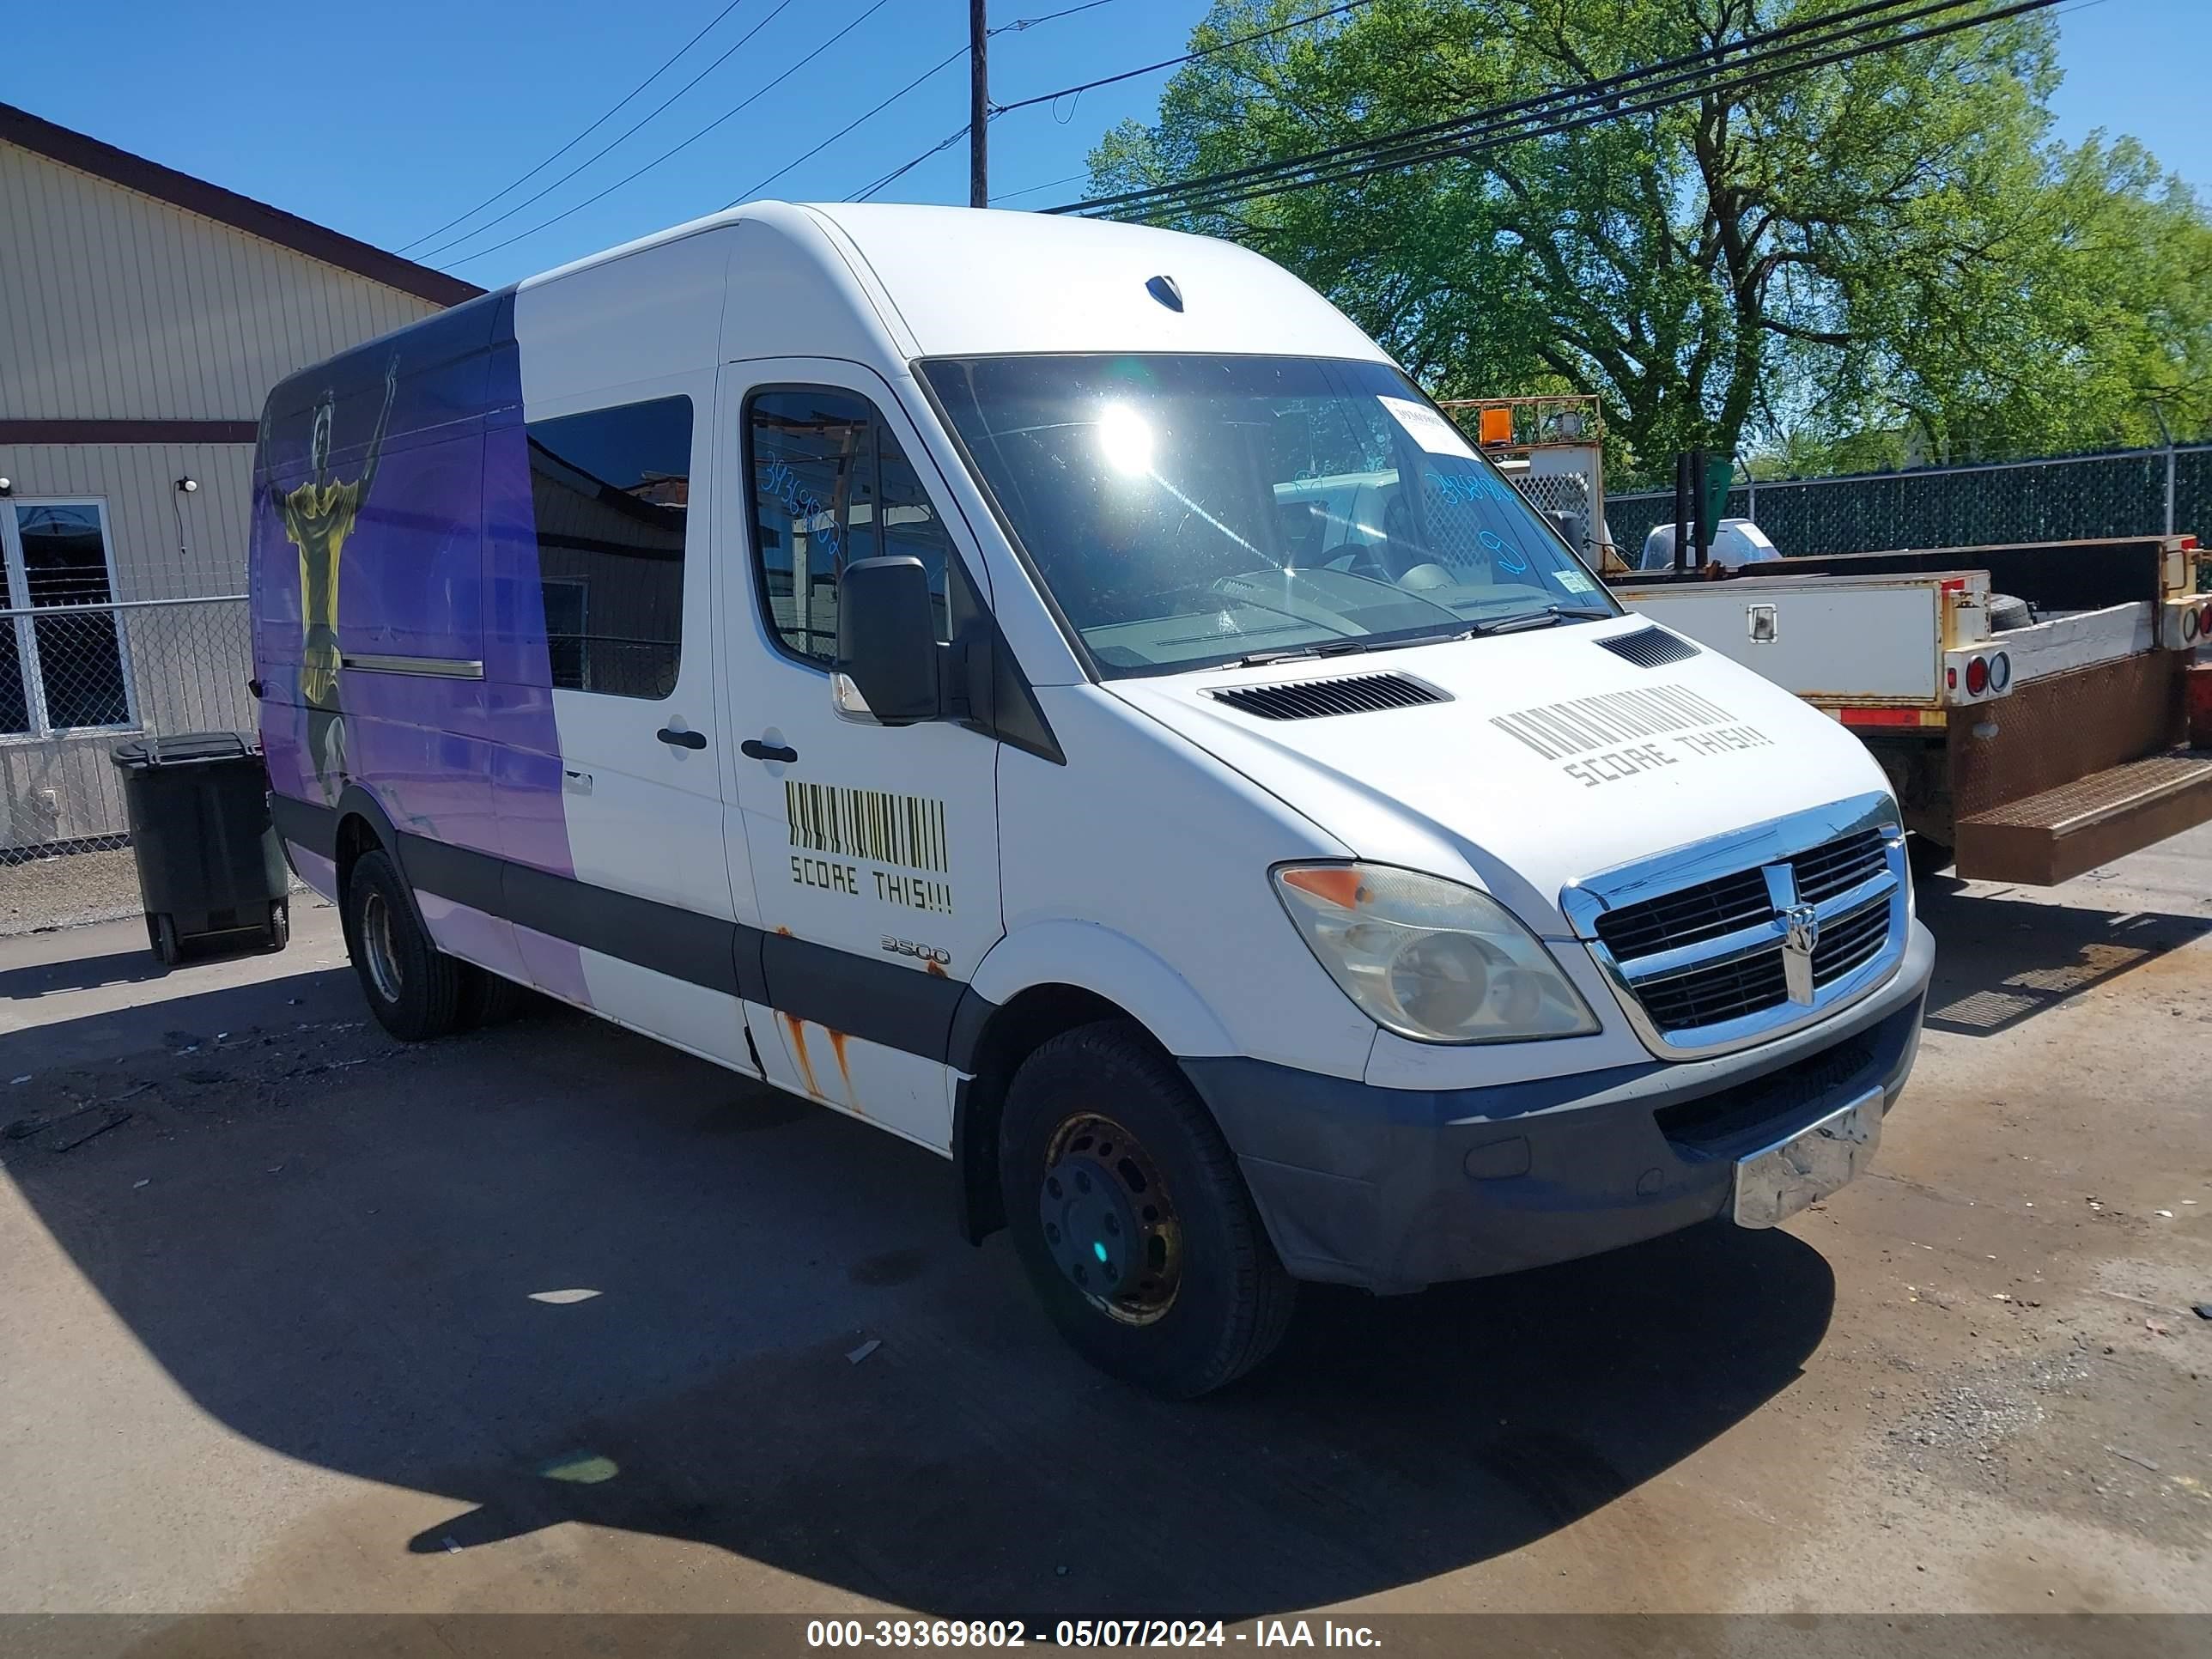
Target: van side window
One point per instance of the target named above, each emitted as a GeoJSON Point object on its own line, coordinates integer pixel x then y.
{"type": "Point", "coordinates": [830, 484]}
{"type": "Point", "coordinates": [611, 490]}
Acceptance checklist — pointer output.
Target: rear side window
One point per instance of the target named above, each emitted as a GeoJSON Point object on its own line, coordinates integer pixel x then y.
{"type": "Point", "coordinates": [830, 484]}
{"type": "Point", "coordinates": [611, 490]}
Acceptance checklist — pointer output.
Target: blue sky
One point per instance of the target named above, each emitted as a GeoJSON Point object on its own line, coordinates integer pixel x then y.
{"type": "Point", "coordinates": [386, 121]}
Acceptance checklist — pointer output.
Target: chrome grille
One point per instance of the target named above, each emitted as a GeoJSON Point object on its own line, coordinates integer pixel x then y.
{"type": "Point", "coordinates": [1733, 941]}
{"type": "Point", "coordinates": [1753, 984]}
{"type": "Point", "coordinates": [1714, 908]}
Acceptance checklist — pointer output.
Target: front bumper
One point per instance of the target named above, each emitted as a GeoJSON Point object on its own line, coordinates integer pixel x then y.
{"type": "Point", "coordinates": [1392, 1189]}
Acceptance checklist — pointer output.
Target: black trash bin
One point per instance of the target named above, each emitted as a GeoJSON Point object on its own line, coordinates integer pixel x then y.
{"type": "Point", "coordinates": [209, 862]}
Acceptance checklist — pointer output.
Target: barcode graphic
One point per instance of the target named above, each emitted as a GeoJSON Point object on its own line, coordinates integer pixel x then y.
{"type": "Point", "coordinates": [1556, 730]}
{"type": "Point", "coordinates": [867, 824]}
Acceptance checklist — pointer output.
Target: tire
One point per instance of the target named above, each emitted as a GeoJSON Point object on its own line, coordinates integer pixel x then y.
{"type": "Point", "coordinates": [279, 932]}
{"type": "Point", "coordinates": [161, 935]}
{"type": "Point", "coordinates": [413, 988]}
{"type": "Point", "coordinates": [1208, 1299]}
{"type": "Point", "coordinates": [2007, 610]}
{"type": "Point", "coordinates": [488, 999]}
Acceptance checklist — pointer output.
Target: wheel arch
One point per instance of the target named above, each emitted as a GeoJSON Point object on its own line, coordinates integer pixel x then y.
{"type": "Point", "coordinates": [1034, 985]}
{"type": "Point", "coordinates": [363, 827]}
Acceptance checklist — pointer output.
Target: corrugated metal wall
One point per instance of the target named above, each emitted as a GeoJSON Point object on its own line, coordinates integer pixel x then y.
{"type": "Point", "coordinates": [138, 482]}
{"type": "Point", "coordinates": [118, 306]}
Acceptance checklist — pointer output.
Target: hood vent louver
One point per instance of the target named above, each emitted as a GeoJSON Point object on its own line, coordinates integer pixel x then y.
{"type": "Point", "coordinates": [1307, 700]}
{"type": "Point", "coordinates": [1650, 647]}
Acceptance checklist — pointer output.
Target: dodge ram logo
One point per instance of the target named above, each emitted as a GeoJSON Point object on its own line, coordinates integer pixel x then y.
{"type": "Point", "coordinates": [1801, 925]}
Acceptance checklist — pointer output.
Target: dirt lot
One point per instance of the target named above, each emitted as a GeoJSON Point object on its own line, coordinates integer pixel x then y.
{"type": "Point", "coordinates": [293, 1317]}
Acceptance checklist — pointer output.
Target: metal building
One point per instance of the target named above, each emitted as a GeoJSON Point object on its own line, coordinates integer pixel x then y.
{"type": "Point", "coordinates": [144, 314]}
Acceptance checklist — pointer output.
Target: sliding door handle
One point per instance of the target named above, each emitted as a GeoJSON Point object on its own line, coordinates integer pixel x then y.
{"type": "Point", "coordinates": [675, 739]}
{"type": "Point", "coordinates": [754, 749]}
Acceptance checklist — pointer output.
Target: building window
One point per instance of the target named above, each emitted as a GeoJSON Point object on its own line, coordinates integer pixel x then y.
{"type": "Point", "coordinates": [830, 484]}
{"type": "Point", "coordinates": [612, 490]}
{"type": "Point", "coordinates": [64, 663]}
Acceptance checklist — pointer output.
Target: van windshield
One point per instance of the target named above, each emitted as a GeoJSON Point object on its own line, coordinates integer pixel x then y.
{"type": "Point", "coordinates": [1190, 511]}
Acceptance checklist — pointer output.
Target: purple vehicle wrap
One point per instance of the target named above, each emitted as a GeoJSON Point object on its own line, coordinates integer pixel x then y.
{"type": "Point", "coordinates": [393, 531]}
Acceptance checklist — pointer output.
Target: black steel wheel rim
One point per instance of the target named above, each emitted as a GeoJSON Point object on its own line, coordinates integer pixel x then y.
{"type": "Point", "coordinates": [1110, 1223]}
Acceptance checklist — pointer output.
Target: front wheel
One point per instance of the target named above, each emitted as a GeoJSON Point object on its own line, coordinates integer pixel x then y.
{"type": "Point", "coordinates": [1131, 1219]}
{"type": "Point", "coordinates": [413, 988]}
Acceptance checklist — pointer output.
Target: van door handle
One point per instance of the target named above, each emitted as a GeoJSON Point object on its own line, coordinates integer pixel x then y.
{"type": "Point", "coordinates": [754, 749]}
{"type": "Point", "coordinates": [670, 735]}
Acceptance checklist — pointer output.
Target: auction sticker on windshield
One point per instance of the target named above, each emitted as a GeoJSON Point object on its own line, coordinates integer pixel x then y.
{"type": "Point", "coordinates": [1428, 428]}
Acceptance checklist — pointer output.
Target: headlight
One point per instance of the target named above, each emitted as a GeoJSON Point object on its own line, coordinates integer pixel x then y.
{"type": "Point", "coordinates": [1428, 958]}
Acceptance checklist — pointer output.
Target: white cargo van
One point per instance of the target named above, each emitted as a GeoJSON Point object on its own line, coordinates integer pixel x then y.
{"type": "Point", "coordinates": [1056, 692]}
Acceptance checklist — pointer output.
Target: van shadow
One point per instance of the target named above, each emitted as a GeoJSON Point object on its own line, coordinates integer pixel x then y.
{"type": "Point", "coordinates": [2002, 960]}
{"type": "Point", "coordinates": [554, 1273]}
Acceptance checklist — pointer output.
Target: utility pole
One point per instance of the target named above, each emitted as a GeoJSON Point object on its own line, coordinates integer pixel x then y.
{"type": "Point", "coordinates": [979, 107]}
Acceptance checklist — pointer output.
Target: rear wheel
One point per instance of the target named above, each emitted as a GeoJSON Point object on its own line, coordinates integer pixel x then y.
{"type": "Point", "coordinates": [161, 935]}
{"type": "Point", "coordinates": [1130, 1217]}
{"type": "Point", "coordinates": [413, 988]}
{"type": "Point", "coordinates": [279, 933]}
{"type": "Point", "coordinates": [488, 999]}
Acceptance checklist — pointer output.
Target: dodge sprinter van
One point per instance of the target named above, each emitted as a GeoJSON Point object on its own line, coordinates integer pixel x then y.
{"type": "Point", "coordinates": [1057, 692]}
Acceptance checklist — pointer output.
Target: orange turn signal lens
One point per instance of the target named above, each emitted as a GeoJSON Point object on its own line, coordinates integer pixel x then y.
{"type": "Point", "coordinates": [1338, 884]}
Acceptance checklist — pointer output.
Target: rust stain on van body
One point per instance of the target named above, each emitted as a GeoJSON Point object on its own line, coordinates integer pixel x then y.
{"type": "Point", "coordinates": [844, 1070]}
{"type": "Point", "coordinates": [797, 1027]}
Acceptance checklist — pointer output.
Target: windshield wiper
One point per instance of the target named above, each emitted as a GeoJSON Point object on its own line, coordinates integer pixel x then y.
{"type": "Point", "coordinates": [1323, 649]}
{"type": "Point", "coordinates": [1551, 616]}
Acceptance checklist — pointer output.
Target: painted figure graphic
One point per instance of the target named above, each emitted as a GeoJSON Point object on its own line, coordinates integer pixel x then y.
{"type": "Point", "coordinates": [318, 517]}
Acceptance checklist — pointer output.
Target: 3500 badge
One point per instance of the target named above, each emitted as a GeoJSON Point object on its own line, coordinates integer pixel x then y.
{"type": "Point", "coordinates": [906, 947]}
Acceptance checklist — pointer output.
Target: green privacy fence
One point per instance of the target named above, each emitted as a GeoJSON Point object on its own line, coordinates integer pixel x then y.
{"type": "Point", "coordinates": [2141, 492]}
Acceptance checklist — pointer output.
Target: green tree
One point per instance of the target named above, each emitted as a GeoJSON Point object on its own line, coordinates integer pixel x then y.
{"type": "Point", "coordinates": [1884, 256]}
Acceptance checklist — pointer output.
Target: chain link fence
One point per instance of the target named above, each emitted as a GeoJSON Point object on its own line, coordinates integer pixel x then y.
{"type": "Point", "coordinates": [74, 681]}
{"type": "Point", "coordinates": [2065, 498]}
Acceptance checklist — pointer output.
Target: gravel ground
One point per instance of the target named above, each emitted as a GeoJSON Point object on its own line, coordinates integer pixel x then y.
{"type": "Point", "coordinates": [68, 890]}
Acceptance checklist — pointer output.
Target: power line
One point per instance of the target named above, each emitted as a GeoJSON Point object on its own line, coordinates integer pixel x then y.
{"type": "Point", "coordinates": [433, 254]}
{"type": "Point", "coordinates": [1474, 134]}
{"type": "Point", "coordinates": [666, 63]}
{"type": "Point", "coordinates": [900, 172]}
{"type": "Point", "coordinates": [950, 58]}
{"type": "Point", "coordinates": [677, 149]}
{"type": "Point", "coordinates": [1459, 123]}
{"type": "Point", "coordinates": [1021, 23]}
{"type": "Point", "coordinates": [1031, 190]}
{"type": "Point", "coordinates": [1558, 112]}
{"type": "Point", "coordinates": [1710, 86]}
{"type": "Point", "coordinates": [1014, 27]}
{"type": "Point", "coordinates": [997, 110]}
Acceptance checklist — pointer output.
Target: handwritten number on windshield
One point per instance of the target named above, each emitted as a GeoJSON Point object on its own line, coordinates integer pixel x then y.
{"type": "Point", "coordinates": [1503, 553]}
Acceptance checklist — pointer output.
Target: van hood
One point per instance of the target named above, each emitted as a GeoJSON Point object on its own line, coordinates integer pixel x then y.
{"type": "Point", "coordinates": [1543, 759]}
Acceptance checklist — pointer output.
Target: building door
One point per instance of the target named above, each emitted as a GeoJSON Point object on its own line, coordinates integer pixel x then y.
{"type": "Point", "coordinates": [874, 850]}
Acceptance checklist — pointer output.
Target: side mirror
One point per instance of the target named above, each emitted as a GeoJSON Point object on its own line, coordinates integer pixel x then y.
{"type": "Point", "coordinates": [887, 639]}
